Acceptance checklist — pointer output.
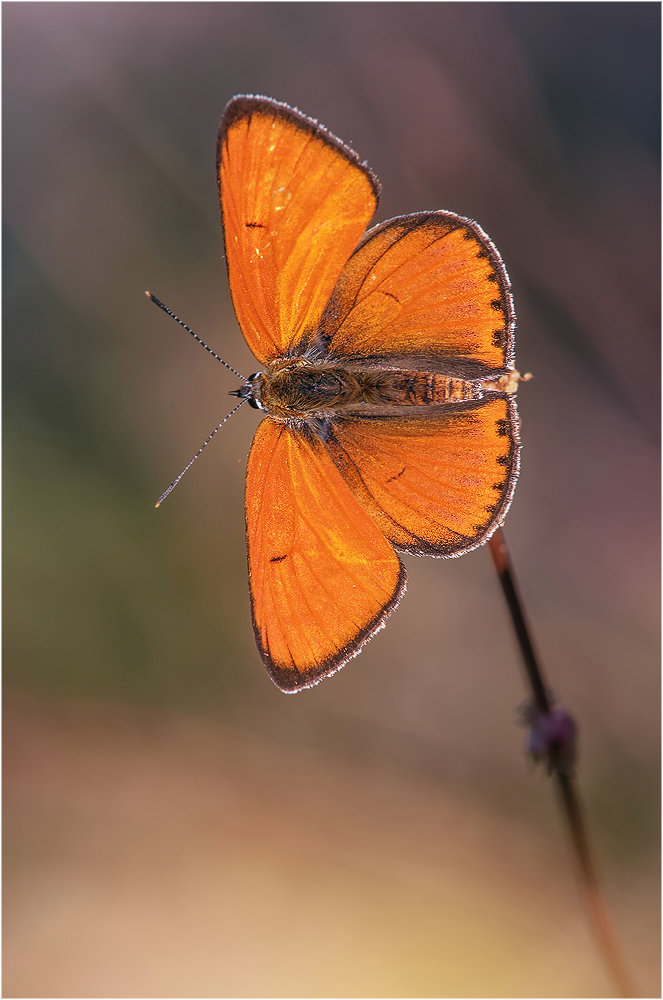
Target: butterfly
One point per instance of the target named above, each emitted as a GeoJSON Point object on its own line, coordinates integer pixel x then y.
{"type": "Point", "coordinates": [390, 421]}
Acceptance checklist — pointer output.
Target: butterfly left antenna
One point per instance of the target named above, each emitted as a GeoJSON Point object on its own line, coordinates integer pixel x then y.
{"type": "Point", "coordinates": [195, 336]}
{"type": "Point", "coordinates": [199, 452]}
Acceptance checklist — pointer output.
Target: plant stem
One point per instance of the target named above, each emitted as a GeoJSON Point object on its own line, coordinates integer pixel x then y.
{"type": "Point", "coordinates": [559, 765]}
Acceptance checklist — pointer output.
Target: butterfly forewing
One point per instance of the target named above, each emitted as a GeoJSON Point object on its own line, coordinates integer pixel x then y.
{"type": "Point", "coordinates": [322, 575]}
{"type": "Point", "coordinates": [294, 202]}
{"type": "Point", "coordinates": [426, 290]}
{"type": "Point", "coordinates": [435, 485]}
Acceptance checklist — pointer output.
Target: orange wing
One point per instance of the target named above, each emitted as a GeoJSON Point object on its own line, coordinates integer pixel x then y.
{"type": "Point", "coordinates": [429, 287]}
{"type": "Point", "coordinates": [439, 485]}
{"type": "Point", "coordinates": [294, 202]}
{"type": "Point", "coordinates": [323, 577]}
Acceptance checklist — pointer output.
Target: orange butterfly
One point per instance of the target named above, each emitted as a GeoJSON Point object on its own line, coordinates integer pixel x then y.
{"type": "Point", "coordinates": [387, 386]}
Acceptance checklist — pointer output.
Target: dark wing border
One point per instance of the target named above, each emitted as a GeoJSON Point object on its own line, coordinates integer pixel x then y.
{"type": "Point", "coordinates": [244, 105]}
{"type": "Point", "coordinates": [425, 361]}
{"type": "Point", "coordinates": [292, 681]}
{"type": "Point", "coordinates": [421, 547]}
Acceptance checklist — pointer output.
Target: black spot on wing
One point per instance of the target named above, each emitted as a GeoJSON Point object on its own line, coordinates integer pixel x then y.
{"type": "Point", "coordinates": [397, 476]}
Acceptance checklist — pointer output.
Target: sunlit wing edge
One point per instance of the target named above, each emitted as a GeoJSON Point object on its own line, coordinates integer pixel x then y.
{"type": "Point", "coordinates": [290, 682]}
{"type": "Point", "coordinates": [425, 548]}
{"type": "Point", "coordinates": [244, 104]}
{"type": "Point", "coordinates": [429, 360]}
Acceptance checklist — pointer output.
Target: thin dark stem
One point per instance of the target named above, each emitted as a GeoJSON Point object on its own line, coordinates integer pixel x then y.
{"type": "Point", "coordinates": [500, 555]}
{"type": "Point", "coordinates": [558, 764]}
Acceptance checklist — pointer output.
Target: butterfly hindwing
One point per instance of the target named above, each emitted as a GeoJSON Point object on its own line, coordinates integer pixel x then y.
{"type": "Point", "coordinates": [294, 202]}
{"type": "Point", "coordinates": [323, 577]}
{"type": "Point", "coordinates": [437, 485]}
{"type": "Point", "coordinates": [427, 290]}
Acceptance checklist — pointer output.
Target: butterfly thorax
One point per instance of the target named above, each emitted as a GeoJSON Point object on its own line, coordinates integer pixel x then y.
{"type": "Point", "coordinates": [300, 389]}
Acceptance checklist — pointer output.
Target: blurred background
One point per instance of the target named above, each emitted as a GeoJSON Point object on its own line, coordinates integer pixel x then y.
{"type": "Point", "coordinates": [174, 825]}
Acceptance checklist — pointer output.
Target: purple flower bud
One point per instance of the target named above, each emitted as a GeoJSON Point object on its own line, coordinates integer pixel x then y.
{"type": "Point", "coordinates": [552, 738]}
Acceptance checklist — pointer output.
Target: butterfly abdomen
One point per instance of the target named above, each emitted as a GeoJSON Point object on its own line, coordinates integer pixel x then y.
{"type": "Point", "coordinates": [411, 388]}
{"type": "Point", "coordinates": [302, 389]}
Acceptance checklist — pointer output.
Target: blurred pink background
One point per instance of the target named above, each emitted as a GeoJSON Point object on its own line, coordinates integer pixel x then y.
{"type": "Point", "coordinates": [174, 825]}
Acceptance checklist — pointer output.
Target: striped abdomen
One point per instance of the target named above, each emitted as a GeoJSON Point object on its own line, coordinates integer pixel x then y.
{"type": "Point", "coordinates": [413, 388]}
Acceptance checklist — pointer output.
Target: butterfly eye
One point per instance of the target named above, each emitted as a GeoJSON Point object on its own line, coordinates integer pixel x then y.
{"type": "Point", "coordinates": [248, 394]}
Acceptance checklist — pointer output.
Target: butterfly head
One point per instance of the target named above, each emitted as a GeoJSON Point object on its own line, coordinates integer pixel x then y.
{"type": "Point", "coordinates": [251, 392]}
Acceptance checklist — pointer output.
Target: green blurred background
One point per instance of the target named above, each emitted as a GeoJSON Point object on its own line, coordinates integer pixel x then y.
{"type": "Point", "coordinates": [174, 825]}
